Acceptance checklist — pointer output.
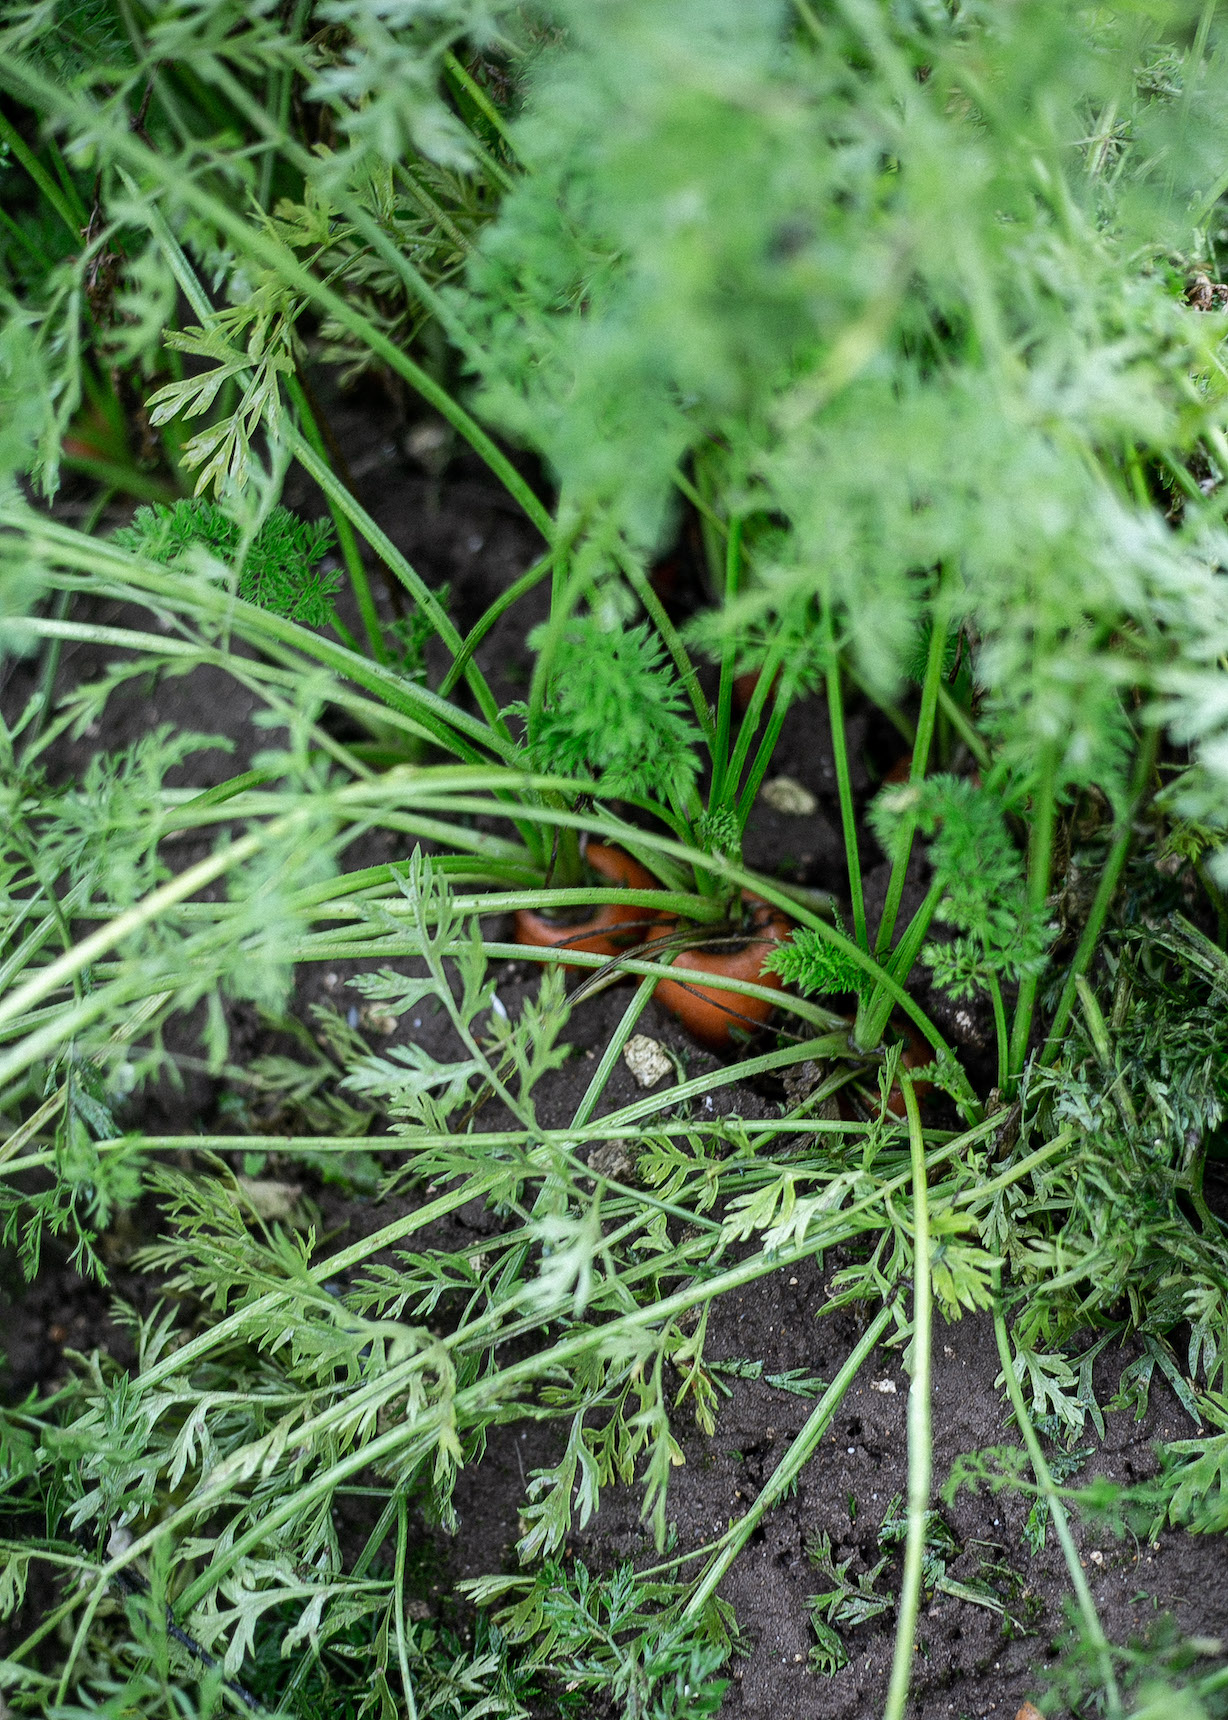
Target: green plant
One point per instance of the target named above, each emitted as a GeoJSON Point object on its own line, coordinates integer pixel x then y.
{"type": "Point", "coordinates": [912, 310]}
{"type": "Point", "coordinates": [277, 560]}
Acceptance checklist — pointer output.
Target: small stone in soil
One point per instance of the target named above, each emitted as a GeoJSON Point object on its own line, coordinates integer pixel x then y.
{"type": "Point", "coordinates": [785, 794]}
{"type": "Point", "coordinates": [646, 1059]}
{"type": "Point", "coordinates": [268, 1198]}
{"type": "Point", "coordinates": [611, 1159]}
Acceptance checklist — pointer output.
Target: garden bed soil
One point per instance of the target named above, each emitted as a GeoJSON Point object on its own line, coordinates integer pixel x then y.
{"type": "Point", "coordinates": [456, 526]}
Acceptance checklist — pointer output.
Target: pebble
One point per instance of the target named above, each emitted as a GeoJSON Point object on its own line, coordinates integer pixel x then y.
{"type": "Point", "coordinates": [647, 1059]}
{"type": "Point", "coordinates": [786, 794]}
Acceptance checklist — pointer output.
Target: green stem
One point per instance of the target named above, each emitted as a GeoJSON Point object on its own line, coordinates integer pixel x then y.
{"type": "Point", "coordinates": [344, 507]}
{"type": "Point", "coordinates": [724, 697]}
{"type": "Point", "coordinates": [1040, 865]}
{"type": "Point", "coordinates": [905, 954]}
{"type": "Point", "coordinates": [418, 711]}
{"type": "Point", "coordinates": [38, 173]}
{"type": "Point", "coordinates": [398, 1602]}
{"type": "Point", "coordinates": [612, 1052]}
{"type": "Point", "coordinates": [848, 816]}
{"type": "Point", "coordinates": [920, 1448]}
{"type": "Point", "coordinates": [916, 772]}
{"type": "Point", "coordinates": [337, 494]}
{"type": "Point", "coordinates": [749, 726]}
{"type": "Point", "coordinates": [700, 503]}
{"type": "Point", "coordinates": [310, 452]}
{"type": "Point", "coordinates": [477, 95]}
{"type": "Point", "coordinates": [519, 588]}
{"type": "Point", "coordinates": [1106, 889]}
{"type": "Point", "coordinates": [964, 727]}
{"type": "Point", "coordinates": [767, 746]}
{"type": "Point", "coordinates": [875, 1012]}
{"type": "Point", "coordinates": [1057, 1511]}
{"type": "Point", "coordinates": [31, 86]}
{"type": "Point", "coordinates": [673, 644]}
{"type": "Point", "coordinates": [1000, 1030]}
{"type": "Point", "coordinates": [360, 217]}
{"type": "Point", "coordinates": [359, 583]}
{"type": "Point", "coordinates": [434, 211]}
{"type": "Point", "coordinates": [789, 1467]}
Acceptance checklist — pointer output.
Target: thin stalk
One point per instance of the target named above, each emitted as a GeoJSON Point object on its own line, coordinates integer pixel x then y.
{"type": "Point", "coordinates": [767, 746]}
{"type": "Point", "coordinates": [361, 218]}
{"type": "Point", "coordinates": [747, 1174]}
{"type": "Point", "coordinates": [916, 773]}
{"type": "Point", "coordinates": [908, 949]}
{"type": "Point", "coordinates": [68, 966]}
{"type": "Point", "coordinates": [38, 173]}
{"type": "Point", "coordinates": [386, 549]}
{"type": "Point", "coordinates": [964, 727]}
{"type": "Point", "coordinates": [485, 157]}
{"type": "Point", "coordinates": [874, 1014]}
{"type": "Point", "coordinates": [749, 725]}
{"type": "Point", "coordinates": [1106, 889]}
{"type": "Point", "coordinates": [492, 1140]}
{"type": "Point", "coordinates": [398, 1602]}
{"type": "Point", "coordinates": [1040, 865]}
{"type": "Point", "coordinates": [477, 95]}
{"type": "Point", "coordinates": [789, 1467]}
{"type": "Point", "coordinates": [415, 708]}
{"type": "Point", "coordinates": [131, 1024]}
{"type": "Point", "coordinates": [1057, 1511]}
{"type": "Point", "coordinates": [612, 1052]}
{"type": "Point", "coordinates": [920, 1447]}
{"type": "Point", "coordinates": [848, 818]}
{"type": "Point", "coordinates": [519, 588]}
{"type": "Point", "coordinates": [359, 583]}
{"type": "Point", "coordinates": [702, 506]}
{"type": "Point", "coordinates": [51, 657]}
{"type": "Point", "coordinates": [1000, 1031]}
{"type": "Point", "coordinates": [566, 590]}
{"type": "Point", "coordinates": [826, 1045]}
{"type": "Point", "coordinates": [37, 90]}
{"type": "Point", "coordinates": [724, 696]}
{"type": "Point", "coordinates": [673, 644]}
{"type": "Point", "coordinates": [309, 451]}
{"type": "Point", "coordinates": [431, 209]}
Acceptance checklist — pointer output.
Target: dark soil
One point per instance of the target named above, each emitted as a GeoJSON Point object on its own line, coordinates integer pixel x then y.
{"type": "Point", "coordinates": [455, 526]}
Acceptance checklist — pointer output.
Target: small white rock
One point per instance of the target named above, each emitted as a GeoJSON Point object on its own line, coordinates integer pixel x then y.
{"type": "Point", "coordinates": [269, 1198]}
{"type": "Point", "coordinates": [647, 1059]}
{"type": "Point", "coordinates": [785, 794]}
{"type": "Point", "coordinates": [887, 1387]}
